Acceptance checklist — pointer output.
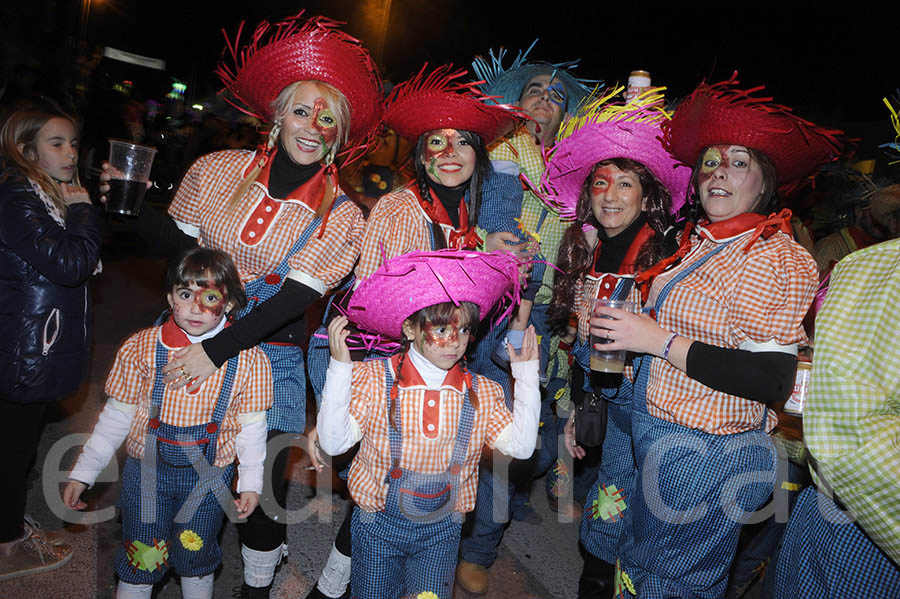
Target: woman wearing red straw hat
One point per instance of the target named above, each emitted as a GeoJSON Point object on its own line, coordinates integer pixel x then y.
{"type": "Point", "coordinates": [723, 343]}
{"type": "Point", "coordinates": [610, 173]}
{"type": "Point", "coordinates": [281, 215]}
{"type": "Point", "coordinates": [450, 124]}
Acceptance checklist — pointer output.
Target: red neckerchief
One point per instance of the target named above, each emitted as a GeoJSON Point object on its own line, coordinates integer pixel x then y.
{"type": "Point", "coordinates": [627, 267]}
{"type": "Point", "coordinates": [462, 238]}
{"type": "Point", "coordinates": [318, 193]}
{"type": "Point", "coordinates": [174, 337]}
{"type": "Point", "coordinates": [761, 226]}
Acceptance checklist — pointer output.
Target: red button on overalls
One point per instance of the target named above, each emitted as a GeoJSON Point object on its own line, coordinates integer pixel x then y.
{"type": "Point", "coordinates": [154, 423]}
{"type": "Point", "coordinates": [454, 469]}
{"type": "Point", "coordinates": [273, 279]}
{"type": "Point", "coordinates": [212, 427]}
{"type": "Point", "coordinates": [396, 473]}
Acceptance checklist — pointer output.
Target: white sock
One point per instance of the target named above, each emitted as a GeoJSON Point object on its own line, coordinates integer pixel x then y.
{"type": "Point", "coordinates": [197, 587]}
{"type": "Point", "coordinates": [126, 590]}
{"type": "Point", "coordinates": [335, 575]}
{"type": "Point", "coordinates": [259, 566]}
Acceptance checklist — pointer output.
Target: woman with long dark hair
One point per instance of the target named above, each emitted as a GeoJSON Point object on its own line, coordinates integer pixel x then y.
{"type": "Point", "coordinates": [613, 176]}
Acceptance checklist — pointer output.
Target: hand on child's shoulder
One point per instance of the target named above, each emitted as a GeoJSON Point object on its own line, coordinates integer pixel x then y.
{"type": "Point", "coordinates": [530, 348]}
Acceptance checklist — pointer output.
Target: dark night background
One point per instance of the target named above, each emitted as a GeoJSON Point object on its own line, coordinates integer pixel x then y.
{"type": "Point", "coordinates": [833, 65]}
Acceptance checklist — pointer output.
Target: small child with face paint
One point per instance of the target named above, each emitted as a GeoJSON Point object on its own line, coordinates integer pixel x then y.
{"type": "Point", "coordinates": [421, 417]}
{"type": "Point", "coordinates": [181, 446]}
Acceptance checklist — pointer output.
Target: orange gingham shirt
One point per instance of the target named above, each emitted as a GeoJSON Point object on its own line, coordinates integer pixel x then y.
{"type": "Point", "coordinates": [759, 296]}
{"type": "Point", "coordinates": [399, 225]}
{"type": "Point", "coordinates": [131, 381]}
{"type": "Point", "coordinates": [422, 450]}
{"type": "Point", "coordinates": [201, 201]}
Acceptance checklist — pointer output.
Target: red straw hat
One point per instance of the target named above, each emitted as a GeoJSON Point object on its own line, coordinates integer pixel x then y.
{"type": "Point", "coordinates": [719, 114]}
{"type": "Point", "coordinates": [298, 49]}
{"type": "Point", "coordinates": [436, 101]}
{"type": "Point", "coordinates": [407, 283]}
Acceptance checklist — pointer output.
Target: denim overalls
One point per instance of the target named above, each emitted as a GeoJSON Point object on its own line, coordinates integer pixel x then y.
{"type": "Point", "coordinates": [411, 546]}
{"type": "Point", "coordinates": [172, 499]}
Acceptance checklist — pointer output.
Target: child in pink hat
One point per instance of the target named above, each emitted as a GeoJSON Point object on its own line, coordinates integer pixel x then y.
{"type": "Point", "coordinates": [421, 417]}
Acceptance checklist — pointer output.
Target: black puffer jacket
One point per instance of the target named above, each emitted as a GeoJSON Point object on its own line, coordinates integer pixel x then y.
{"type": "Point", "coordinates": [44, 303]}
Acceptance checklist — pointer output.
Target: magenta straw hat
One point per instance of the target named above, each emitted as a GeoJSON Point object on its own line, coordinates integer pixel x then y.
{"type": "Point", "coordinates": [604, 130]}
{"type": "Point", "coordinates": [406, 284]}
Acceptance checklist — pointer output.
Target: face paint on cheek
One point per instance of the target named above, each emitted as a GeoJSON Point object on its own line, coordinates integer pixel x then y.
{"type": "Point", "coordinates": [210, 300]}
{"type": "Point", "coordinates": [325, 123]}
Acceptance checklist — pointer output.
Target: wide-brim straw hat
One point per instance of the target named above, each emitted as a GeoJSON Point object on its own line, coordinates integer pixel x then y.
{"type": "Point", "coordinates": [436, 100]}
{"type": "Point", "coordinates": [298, 49]}
{"type": "Point", "coordinates": [722, 114]}
{"type": "Point", "coordinates": [507, 83]}
{"type": "Point", "coordinates": [404, 285]}
{"type": "Point", "coordinates": [603, 130]}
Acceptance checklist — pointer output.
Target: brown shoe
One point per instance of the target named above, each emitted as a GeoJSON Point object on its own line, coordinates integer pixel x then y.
{"type": "Point", "coordinates": [33, 555]}
{"type": "Point", "coordinates": [472, 577]}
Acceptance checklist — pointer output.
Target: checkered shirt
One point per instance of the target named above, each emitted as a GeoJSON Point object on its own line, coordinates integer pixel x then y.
{"type": "Point", "coordinates": [758, 296]}
{"type": "Point", "coordinates": [521, 148]}
{"type": "Point", "coordinates": [423, 450]}
{"type": "Point", "coordinates": [851, 420]}
{"type": "Point", "coordinates": [397, 225]}
{"type": "Point", "coordinates": [131, 381]}
{"type": "Point", "coordinates": [260, 232]}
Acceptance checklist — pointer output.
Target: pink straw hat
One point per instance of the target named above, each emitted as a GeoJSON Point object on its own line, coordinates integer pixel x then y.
{"type": "Point", "coordinates": [604, 130]}
{"type": "Point", "coordinates": [406, 284]}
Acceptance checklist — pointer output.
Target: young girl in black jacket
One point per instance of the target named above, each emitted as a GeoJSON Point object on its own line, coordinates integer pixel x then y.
{"type": "Point", "coordinates": [50, 236]}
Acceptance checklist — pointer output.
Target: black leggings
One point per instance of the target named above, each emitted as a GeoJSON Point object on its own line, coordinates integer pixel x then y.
{"type": "Point", "coordinates": [20, 431]}
{"type": "Point", "coordinates": [261, 532]}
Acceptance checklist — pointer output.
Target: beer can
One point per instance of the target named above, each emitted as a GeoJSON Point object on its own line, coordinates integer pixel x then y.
{"type": "Point", "coordinates": [797, 400]}
{"type": "Point", "coordinates": [638, 82]}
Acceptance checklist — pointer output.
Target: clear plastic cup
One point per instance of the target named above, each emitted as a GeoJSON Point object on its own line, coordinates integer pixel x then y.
{"type": "Point", "coordinates": [130, 166]}
{"type": "Point", "coordinates": [608, 361]}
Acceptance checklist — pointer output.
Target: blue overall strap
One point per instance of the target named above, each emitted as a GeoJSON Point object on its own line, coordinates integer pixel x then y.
{"type": "Point", "coordinates": [159, 386]}
{"type": "Point", "coordinates": [222, 404]}
{"type": "Point", "coordinates": [541, 219]}
{"type": "Point", "coordinates": [464, 429]}
{"type": "Point", "coordinates": [623, 288]}
{"type": "Point", "coordinates": [431, 238]}
{"type": "Point", "coordinates": [394, 435]}
{"type": "Point", "coordinates": [643, 365]}
{"type": "Point", "coordinates": [257, 290]}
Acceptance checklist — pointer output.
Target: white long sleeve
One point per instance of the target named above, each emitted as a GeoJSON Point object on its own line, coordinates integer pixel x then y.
{"type": "Point", "coordinates": [250, 445]}
{"type": "Point", "coordinates": [110, 431]}
{"type": "Point", "coordinates": [338, 430]}
{"type": "Point", "coordinates": [519, 437]}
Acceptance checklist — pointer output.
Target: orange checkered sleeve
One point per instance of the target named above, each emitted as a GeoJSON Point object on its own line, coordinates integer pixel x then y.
{"type": "Point", "coordinates": [397, 226]}
{"type": "Point", "coordinates": [424, 449]}
{"type": "Point", "coordinates": [185, 206]}
{"type": "Point", "coordinates": [131, 381]}
{"type": "Point", "coordinates": [332, 257]}
{"type": "Point", "coordinates": [759, 296]}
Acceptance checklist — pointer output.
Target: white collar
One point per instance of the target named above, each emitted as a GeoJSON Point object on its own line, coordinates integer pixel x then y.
{"type": "Point", "coordinates": [208, 334]}
{"type": "Point", "coordinates": [431, 374]}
